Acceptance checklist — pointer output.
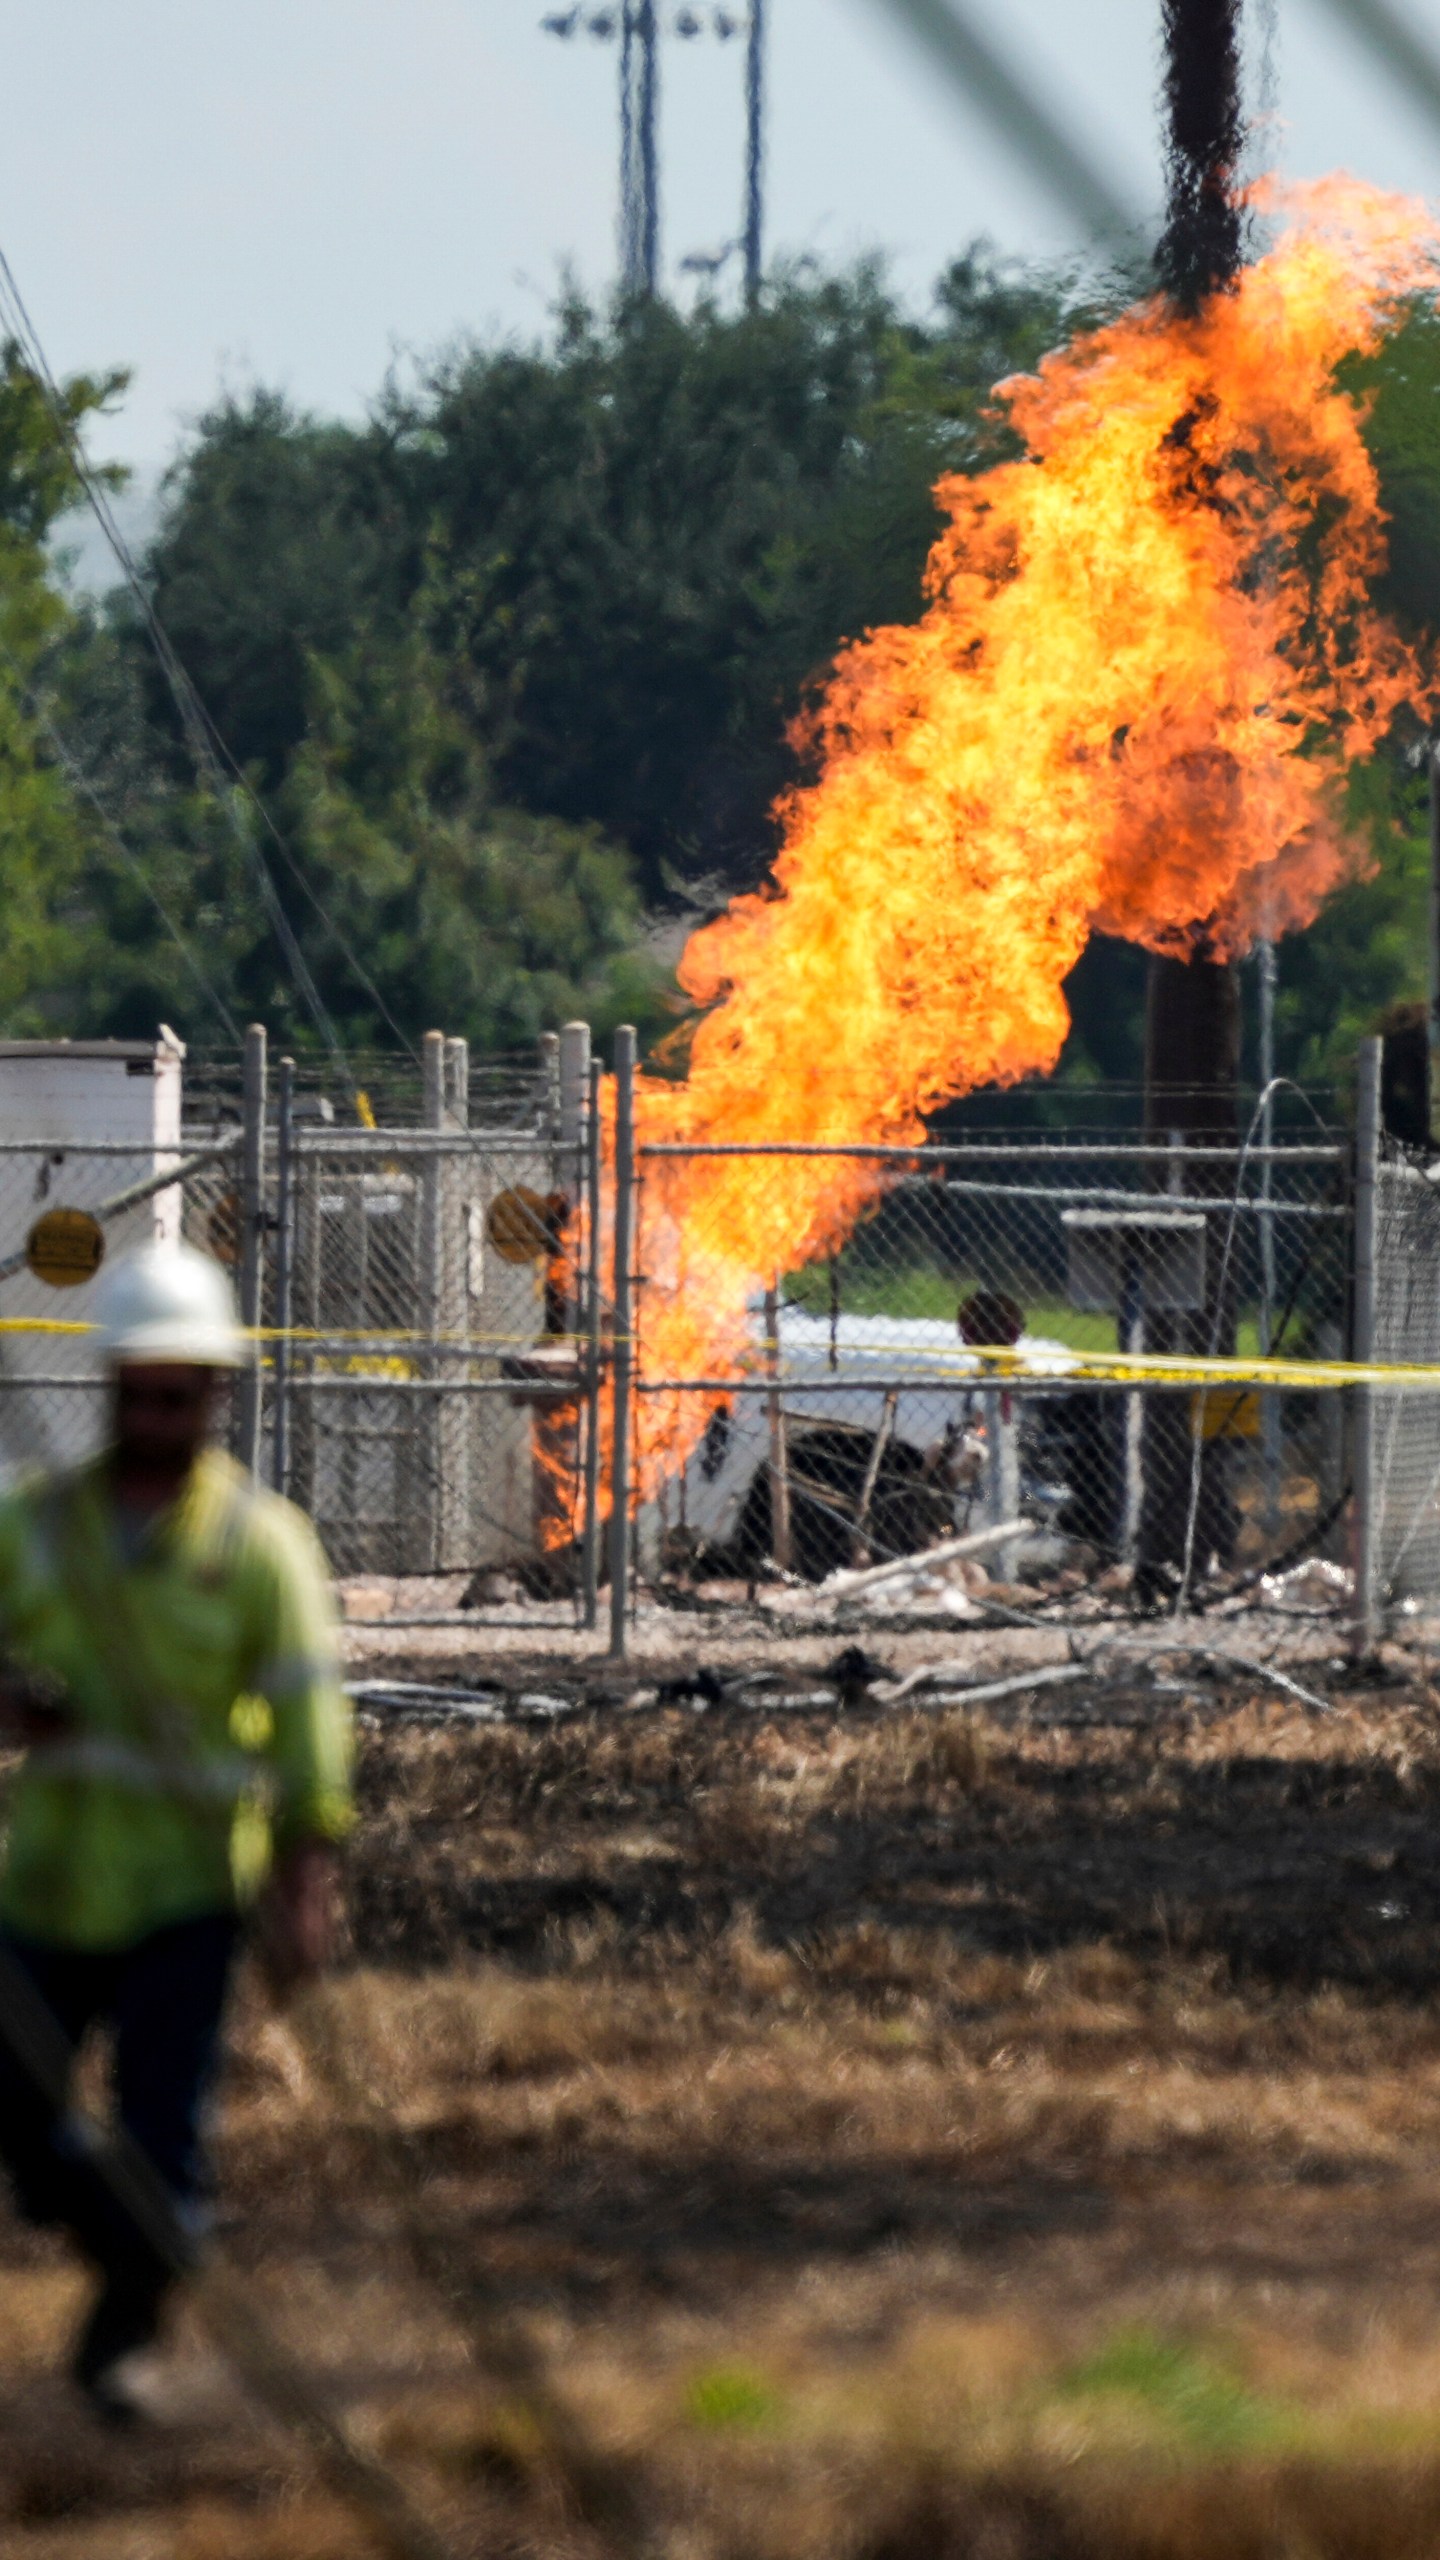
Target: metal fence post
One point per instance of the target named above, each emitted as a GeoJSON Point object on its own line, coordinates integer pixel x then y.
{"type": "Point", "coordinates": [574, 1093]}
{"type": "Point", "coordinates": [1432, 1097]}
{"type": "Point", "coordinates": [455, 1414]}
{"type": "Point", "coordinates": [590, 1529]}
{"type": "Point", "coordinates": [549, 1045]}
{"type": "Point", "coordinates": [284, 1267]}
{"type": "Point", "coordinates": [572, 1160]}
{"type": "Point", "coordinates": [1367, 1522]}
{"type": "Point", "coordinates": [252, 1243]}
{"type": "Point", "coordinates": [781, 1545]}
{"type": "Point", "coordinates": [623, 1368]}
{"type": "Point", "coordinates": [432, 1285]}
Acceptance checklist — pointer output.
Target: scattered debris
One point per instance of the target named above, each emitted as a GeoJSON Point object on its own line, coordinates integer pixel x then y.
{"type": "Point", "coordinates": [855, 1672]}
{"type": "Point", "coordinates": [1318, 1583]}
{"type": "Point", "coordinates": [703, 1687]}
{"type": "Point", "coordinates": [975, 1542]}
{"type": "Point", "coordinates": [1044, 1675]}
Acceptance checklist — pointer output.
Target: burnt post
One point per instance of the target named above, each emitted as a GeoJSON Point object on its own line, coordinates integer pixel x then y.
{"type": "Point", "coordinates": [1192, 1073]}
{"type": "Point", "coordinates": [1192, 1008]}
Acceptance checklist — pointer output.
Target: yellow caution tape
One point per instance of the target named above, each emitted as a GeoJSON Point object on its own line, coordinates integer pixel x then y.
{"type": "Point", "coordinates": [392, 1338]}
{"type": "Point", "coordinates": [1007, 1367]}
{"type": "Point", "coordinates": [1001, 1365]}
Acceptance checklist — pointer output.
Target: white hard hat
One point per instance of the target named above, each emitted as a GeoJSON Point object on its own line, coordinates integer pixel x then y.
{"type": "Point", "coordinates": [167, 1302]}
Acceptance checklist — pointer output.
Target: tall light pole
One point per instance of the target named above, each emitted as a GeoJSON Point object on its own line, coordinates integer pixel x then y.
{"type": "Point", "coordinates": [646, 277]}
{"type": "Point", "coordinates": [639, 144]}
{"type": "Point", "coordinates": [637, 27]}
{"type": "Point", "coordinates": [754, 151]}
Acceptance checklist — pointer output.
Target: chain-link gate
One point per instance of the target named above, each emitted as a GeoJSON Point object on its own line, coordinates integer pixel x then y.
{"type": "Point", "coordinates": [425, 1387]}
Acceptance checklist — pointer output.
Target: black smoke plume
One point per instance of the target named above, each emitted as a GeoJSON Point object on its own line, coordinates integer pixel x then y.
{"type": "Point", "coordinates": [1200, 247]}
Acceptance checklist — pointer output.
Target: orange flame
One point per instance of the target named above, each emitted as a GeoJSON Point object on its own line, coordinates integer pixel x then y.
{"type": "Point", "coordinates": [1147, 661]}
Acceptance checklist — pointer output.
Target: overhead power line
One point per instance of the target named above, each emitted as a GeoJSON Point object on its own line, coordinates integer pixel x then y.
{"type": "Point", "coordinates": [85, 790]}
{"type": "Point", "coordinates": [213, 758]}
{"type": "Point", "coordinates": [958, 48]}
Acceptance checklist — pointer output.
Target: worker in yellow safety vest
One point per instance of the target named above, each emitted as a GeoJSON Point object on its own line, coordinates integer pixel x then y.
{"type": "Point", "coordinates": [170, 1669]}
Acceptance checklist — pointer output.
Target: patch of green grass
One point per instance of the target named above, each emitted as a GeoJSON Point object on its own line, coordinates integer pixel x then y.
{"type": "Point", "coordinates": [1176, 2390]}
{"type": "Point", "coordinates": [731, 2397]}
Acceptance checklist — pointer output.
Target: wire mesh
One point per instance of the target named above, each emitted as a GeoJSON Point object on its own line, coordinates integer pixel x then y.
{"type": "Point", "coordinates": [855, 1427]}
{"type": "Point", "coordinates": [51, 1401]}
{"type": "Point", "coordinates": [437, 1396]}
{"type": "Point", "coordinates": [432, 1373]}
{"type": "Point", "coordinates": [433, 1370]}
{"type": "Point", "coordinates": [506, 1091]}
{"type": "Point", "coordinates": [1406, 1419]}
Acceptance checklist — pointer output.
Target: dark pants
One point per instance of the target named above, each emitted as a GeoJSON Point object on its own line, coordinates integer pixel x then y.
{"type": "Point", "coordinates": [163, 1999]}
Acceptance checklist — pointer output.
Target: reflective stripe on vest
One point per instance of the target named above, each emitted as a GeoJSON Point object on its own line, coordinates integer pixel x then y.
{"type": "Point", "coordinates": [223, 1777]}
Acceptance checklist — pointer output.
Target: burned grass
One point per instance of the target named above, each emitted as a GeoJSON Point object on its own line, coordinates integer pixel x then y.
{"type": "Point", "coordinates": [894, 2134]}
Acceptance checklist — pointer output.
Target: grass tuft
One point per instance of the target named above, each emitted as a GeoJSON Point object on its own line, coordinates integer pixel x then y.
{"type": "Point", "coordinates": [1191, 2398]}
{"type": "Point", "coordinates": [731, 2398]}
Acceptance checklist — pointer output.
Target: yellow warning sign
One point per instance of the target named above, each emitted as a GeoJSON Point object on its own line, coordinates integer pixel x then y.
{"type": "Point", "coordinates": [1226, 1413]}
{"type": "Point", "coordinates": [65, 1247]}
{"type": "Point", "coordinates": [518, 1225]}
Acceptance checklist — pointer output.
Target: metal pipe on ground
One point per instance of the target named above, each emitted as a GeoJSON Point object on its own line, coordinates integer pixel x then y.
{"type": "Point", "coordinates": [840, 1586]}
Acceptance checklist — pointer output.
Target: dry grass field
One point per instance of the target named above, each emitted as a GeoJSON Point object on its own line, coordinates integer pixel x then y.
{"type": "Point", "coordinates": [797, 2136]}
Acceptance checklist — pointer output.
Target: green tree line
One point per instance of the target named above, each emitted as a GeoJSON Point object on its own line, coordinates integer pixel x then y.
{"type": "Point", "coordinates": [510, 669]}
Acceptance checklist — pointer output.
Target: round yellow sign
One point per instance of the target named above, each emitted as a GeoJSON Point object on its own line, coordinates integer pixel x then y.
{"type": "Point", "coordinates": [65, 1247]}
{"type": "Point", "coordinates": [518, 1225]}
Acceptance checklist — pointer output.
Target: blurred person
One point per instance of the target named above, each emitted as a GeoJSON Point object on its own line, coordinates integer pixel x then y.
{"type": "Point", "coordinates": [170, 1671]}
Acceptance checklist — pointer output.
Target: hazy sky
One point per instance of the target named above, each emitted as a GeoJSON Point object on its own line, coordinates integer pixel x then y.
{"type": "Point", "coordinates": [295, 193]}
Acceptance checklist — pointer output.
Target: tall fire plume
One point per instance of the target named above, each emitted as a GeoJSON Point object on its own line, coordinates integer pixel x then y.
{"type": "Point", "coordinates": [1147, 661]}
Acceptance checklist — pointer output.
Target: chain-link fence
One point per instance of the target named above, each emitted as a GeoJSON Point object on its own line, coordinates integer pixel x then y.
{"type": "Point", "coordinates": [65, 1197]}
{"type": "Point", "coordinates": [956, 1336]}
{"type": "Point", "coordinates": [863, 1427]}
{"type": "Point", "coordinates": [428, 1398]}
{"type": "Point", "coordinates": [1400, 1423]}
{"type": "Point", "coordinates": [94, 1159]}
{"type": "Point", "coordinates": [425, 1387]}
{"type": "Point", "coordinates": [425, 1380]}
